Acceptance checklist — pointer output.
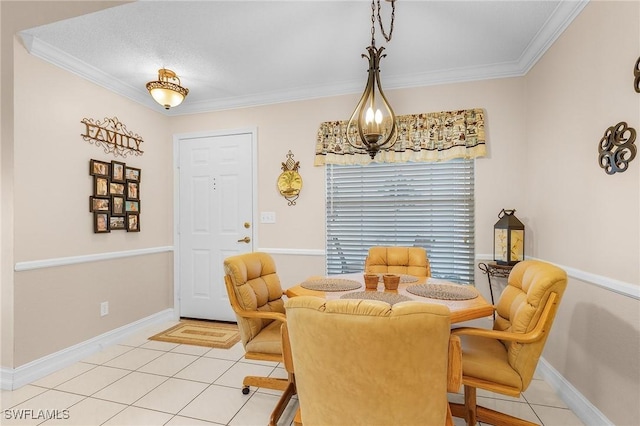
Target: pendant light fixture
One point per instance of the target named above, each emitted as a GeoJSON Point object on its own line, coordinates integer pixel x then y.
{"type": "Point", "coordinates": [167, 90]}
{"type": "Point", "coordinates": [373, 117]}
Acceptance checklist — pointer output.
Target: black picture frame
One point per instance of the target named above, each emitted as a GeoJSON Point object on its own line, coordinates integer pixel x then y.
{"type": "Point", "coordinates": [133, 190]}
{"type": "Point", "coordinates": [117, 188]}
{"type": "Point", "coordinates": [117, 222]}
{"type": "Point", "coordinates": [132, 173]}
{"type": "Point", "coordinates": [133, 222]}
{"type": "Point", "coordinates": [101, 222]}
{"type": "Point", "coordinates": [99, 168]}
{"type": "Point", "coordinates": [118, 171]}
{"type": "Point", "coordinates": [132, 206]}
{"type": "Point", "coordinates": [117, 206]}
{"type": "Point", "coordinates": [99, 204]}
{"type": "Point", "coordinates": [100, 186]}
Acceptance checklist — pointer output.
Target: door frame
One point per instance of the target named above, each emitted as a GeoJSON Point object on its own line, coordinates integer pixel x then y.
{"type": "Point", "coordinates": [253, 131]}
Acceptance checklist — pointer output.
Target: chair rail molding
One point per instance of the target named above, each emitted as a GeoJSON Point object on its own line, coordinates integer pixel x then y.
{"type": "Point", "coordinates": [72, 260]}
{"type": "Point", "coordinates": [621, 287]}
{"type": "Point", "coordinates": [293, 251]}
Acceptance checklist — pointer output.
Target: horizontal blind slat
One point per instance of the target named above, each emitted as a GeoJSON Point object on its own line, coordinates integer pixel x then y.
{"type": "Point", "coordinates": [422, 204]}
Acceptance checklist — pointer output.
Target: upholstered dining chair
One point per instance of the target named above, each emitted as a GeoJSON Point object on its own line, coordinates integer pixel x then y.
{"type": "Point", "coordinates": [364, 362]}
{"type": "Point", "coordinates": [398, 260]}
{"type": "Point", "coordinates": [255, 295]}
{"type": "Point", "coordinates": [504, 359]}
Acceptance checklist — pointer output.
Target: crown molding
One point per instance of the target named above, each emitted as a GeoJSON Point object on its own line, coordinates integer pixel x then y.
{"type": "Point", "coordinates": [564, 14]}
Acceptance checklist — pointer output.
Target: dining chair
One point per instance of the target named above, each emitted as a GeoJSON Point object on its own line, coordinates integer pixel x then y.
{"type": "Point", "coordinates": [398, 260]}
{"type": "Point", "coordinates": [365, 362]}
{"type": "Point", "coordinates": [255, 295]}
{"type": "Point", "coordinates": [503, 359]}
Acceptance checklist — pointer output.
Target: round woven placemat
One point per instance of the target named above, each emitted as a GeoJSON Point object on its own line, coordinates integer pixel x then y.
{"type": "Point", "coordinates": [444, 291]}
{"type": "Point", "coordinates": [403, 278]}
{"type": "Point", "coordinates": [331, 284]}
{"type": "Point", "coordinates": [390, 298]}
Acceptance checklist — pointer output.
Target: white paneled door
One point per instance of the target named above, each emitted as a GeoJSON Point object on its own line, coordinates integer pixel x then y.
{"type": "Point", "coordinates": [215, 218]}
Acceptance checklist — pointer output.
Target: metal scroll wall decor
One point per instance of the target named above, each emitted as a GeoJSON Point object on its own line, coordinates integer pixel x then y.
{"type": "Point", "coordinates": [290, 182]}
{"type": "Point", "coordinates": [113, 136]}
{"type": "Point", "coordinates": [636, 74]}
{"type": "Point", "coordinates": [616, 148]}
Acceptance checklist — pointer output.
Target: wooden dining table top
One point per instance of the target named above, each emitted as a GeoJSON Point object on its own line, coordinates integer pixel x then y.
{"type": "Point", "coordinates": [461, 310]}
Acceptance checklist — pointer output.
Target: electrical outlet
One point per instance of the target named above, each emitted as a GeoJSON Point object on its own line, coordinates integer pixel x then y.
{"type": "Point", "coordinates": [268, 217]}
{"type": "Point", "coordinates": [104, 309]}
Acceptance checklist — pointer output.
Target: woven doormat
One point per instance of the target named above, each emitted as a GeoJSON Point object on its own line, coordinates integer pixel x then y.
{"type": "Point", "coordinates": [210, 334]}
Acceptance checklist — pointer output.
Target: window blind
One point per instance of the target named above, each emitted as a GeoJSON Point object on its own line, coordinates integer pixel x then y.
{"type": "Point", "coordinates": [430, 205]}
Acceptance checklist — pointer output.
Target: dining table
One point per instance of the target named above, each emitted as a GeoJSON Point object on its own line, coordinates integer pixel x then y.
{"type": "Point", "coordinates": [464, 301]}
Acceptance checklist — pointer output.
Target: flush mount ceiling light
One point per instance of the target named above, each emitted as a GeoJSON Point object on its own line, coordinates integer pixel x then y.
{"type": "Point", "coordinates": [373, 116]}
{"type": "Point", "coordinates": [167, 90]}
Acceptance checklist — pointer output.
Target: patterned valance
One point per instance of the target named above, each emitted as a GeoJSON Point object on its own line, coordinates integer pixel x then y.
{"type": "Point", "coordinates": [437, 136]}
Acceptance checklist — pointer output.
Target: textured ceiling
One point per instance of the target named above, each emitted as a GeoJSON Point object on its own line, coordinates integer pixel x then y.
{"type": "Point", "coordinates": [234, 54]}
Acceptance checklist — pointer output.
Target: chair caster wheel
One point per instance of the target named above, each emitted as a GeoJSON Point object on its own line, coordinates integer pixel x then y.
{"type": "Point", "coordinates": [245, 390]}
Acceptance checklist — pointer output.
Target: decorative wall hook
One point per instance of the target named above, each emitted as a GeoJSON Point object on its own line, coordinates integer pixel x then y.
{"type": "Point", "coordinates": [290, 181]}
{"type": "Point", "coordinates": [617, 148]}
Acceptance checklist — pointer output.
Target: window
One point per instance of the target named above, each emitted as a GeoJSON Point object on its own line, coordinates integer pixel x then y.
{"type": "Point", "coordinates": [402, 204]}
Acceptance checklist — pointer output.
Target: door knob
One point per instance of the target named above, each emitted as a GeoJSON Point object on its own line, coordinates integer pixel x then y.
{"type": "Point", "coordinates": [245, 240]}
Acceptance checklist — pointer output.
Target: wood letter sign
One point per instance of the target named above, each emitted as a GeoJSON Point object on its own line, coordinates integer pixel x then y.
{"type": "Point", "coordinates": [112, 136]}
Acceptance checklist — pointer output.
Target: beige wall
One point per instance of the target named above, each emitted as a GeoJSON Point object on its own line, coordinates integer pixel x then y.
{"type": "Point", "coordinates": [16, 16]}
{"type": "Point", "coordinates": [542, 130]}
{"type": "Point", "coordinates": [52, 219]}
{"type": "Point", "coordinates": [293, 126]}
{"type": "Point", "coordinates": [582, 217]}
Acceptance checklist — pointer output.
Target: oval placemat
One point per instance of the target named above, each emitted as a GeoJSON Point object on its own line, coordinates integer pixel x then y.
{"type": "Point", "coordinates": [444, 291]}
{"type": "Point", "coordinates": [331, 284]}
{"type": "Point", "coordinates": [390, 298]}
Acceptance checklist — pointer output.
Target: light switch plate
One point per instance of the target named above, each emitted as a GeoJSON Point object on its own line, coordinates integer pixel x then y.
{"type": "Point", "coordinates": [268, 217]}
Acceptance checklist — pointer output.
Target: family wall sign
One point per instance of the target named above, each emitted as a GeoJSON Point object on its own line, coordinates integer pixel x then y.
{"type": "Point", "coordinates": [113, 136]}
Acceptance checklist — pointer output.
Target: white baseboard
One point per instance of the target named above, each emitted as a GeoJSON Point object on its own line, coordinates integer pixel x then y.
{"type": "Point", "coordinates": [11, 379]}
{"type": "Point", "coordinates": [586, 411]}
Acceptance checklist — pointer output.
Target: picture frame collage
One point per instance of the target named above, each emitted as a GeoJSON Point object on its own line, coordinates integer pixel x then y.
{"type": "Point", "coordinates": [115, 199]}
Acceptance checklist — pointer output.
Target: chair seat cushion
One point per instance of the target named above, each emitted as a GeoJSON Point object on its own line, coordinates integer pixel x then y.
{"type": "Point", "coordinates": [487, 359]}
{"type": "Point", "coordinates": [268, 340]}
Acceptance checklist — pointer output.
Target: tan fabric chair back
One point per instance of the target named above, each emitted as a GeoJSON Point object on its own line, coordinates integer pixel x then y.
{"type": "Point", "coordinates": [521, 303]}
{"type": "Point", "coordinates": [398, 260]}
{"type": "Point", "coordinates": [362, 362]}
{"type": "Point", "coordinates": [256, 287]}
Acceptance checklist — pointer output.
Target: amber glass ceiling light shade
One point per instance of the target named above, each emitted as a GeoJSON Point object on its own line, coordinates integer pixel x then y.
{"type": "Point", "coordinates": [374, 118]}
{"type": "Point", "coordinates": [167, 90]}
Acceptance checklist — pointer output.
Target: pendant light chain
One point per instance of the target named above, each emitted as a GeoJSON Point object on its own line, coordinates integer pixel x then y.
{"type": "Point", "coordinates": [393, 15]}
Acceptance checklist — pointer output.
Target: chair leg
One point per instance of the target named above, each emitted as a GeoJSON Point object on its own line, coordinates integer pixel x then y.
{"type": "Point", "coordinates": [297, 420]}
{"type": "Point", "coordinates": [470, 405]}
{"type": "Point", "coordinates": [486, 415]}
{"type": "Point", "coordinates": [283, 401]}
{"type": "Point", "coordinates": [265, 382]}
{"type": "Point", "coordinates": [448, 421]}
{"type": "Point", "coordinates": [468, 410]}
{"type": "Point", "coordinates": [473, 413]}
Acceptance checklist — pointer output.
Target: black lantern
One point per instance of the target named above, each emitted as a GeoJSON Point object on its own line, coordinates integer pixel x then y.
{"type": "Point", "coordinates": [508, 239]}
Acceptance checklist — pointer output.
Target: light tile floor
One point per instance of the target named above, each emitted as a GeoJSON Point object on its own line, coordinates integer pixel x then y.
{"type": "Point", "coordinates": [143, 382]}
